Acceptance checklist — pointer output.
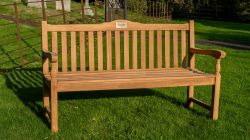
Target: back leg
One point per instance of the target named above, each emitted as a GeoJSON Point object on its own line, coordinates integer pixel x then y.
{"type": "Point", "coordinates": [46, 99]}
{"type": "Point", "coordinates": [190, 94]}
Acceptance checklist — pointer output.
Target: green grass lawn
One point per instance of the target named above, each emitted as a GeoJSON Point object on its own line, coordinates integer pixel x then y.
{"type": "Point", "coordinates": [223, 31]}
{"type": "Point", "coordinates": [127, 114]}
{"type": "Point", "coordinates": [130, 114]}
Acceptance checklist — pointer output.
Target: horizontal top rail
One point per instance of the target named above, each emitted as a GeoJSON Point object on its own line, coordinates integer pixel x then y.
{"type": "Point", "coordinates": [117, 25]}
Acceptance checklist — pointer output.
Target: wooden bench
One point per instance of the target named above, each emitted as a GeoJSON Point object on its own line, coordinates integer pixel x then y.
{"type": "Point", "coordinates": [123, 55]}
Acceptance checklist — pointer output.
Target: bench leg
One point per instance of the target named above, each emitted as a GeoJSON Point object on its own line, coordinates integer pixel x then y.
{"type": "Point", "coordinates": [46, 101]}
{"type": "Point", "coordinates": [190, 94]}
{"type": "Point", "coordinates": [216, 98]}
{"type": "Point", "coordinates": [54, 107]}
{"type": "Point", "coordinates": [45, 96]}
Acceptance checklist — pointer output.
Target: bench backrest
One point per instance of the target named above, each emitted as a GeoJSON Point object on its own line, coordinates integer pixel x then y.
{"type": "Point", "coordinates": [118, 45]}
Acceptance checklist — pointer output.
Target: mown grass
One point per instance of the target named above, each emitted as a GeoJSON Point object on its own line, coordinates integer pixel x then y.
{"type": "Point", "coordinates": [130, 114]}
{"type": "Point", "coordinates": [223, 31]}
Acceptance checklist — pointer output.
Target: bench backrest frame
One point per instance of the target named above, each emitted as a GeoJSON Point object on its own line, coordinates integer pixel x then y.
{"type": "Point", "coordinates": [87, 33]}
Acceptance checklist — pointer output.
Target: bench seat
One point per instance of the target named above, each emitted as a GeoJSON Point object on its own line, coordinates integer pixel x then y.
{"type": "Point", "coordinates": [86, 81]}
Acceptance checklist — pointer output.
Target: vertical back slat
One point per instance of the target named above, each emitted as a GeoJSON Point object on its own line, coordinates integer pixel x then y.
{"type": "Point", "coordinates": [192, 44]}
{"type": "Point", "coordinates": [64, 51]}
{"type": "Point", "coordinates": [117, 50]}
{"type": "Point", "coordinates": [55, 45]}
{"type": "Point", "coordinates": [126, 50]}
{"type": "Point", "coordinates": [134, 49]}
{"type": "Point", "coordinates": [91, 51]}
{"type": "Point", "coordinates": [159, 49]}
{"type": "Point", "coordinates": [45, 46]}
{"type": "Point", "coordinates": [82, 51]}
{"type": "Point", "coordinates": [175, 49]}
{"type": "Point", "coordinates": [100, 51]}
{"type": "Point", "coordinates": [167, 49]}
{"type": "Point", "coordinates": [183, 48]}
{"type": "Point", "coordinates": [73, 51]}
{"type": "Point", "coordinates": [143, 50]}
{"type": "Point", "coordinates": [109, 50]}
{"type": "Point", "coordinates": [151, 49]}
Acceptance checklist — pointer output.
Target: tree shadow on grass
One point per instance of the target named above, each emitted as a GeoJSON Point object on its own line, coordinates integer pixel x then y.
{"type": "Point", "coordinates": [27, 85]}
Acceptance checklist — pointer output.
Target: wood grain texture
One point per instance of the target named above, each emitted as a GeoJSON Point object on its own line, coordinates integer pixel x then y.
{"type": "Point", "coordinates": [117, 50]}
{"type": "Point", "coordinates": [45, 46]}
{"type": "Point", "coordinates": [191, 61]}
{"type": "Point", "coordinates": [134, 41]}
{"type": "Point", "coordinates": [183, 48]}
{"type": "Point", "coordinates": [191, 44]}
{"type": "Point", "coordinates": [143, 50]}
{"type": "Point", "coordinates": [151, 49]}
{"type": "Point", "coordinates": [82, 51]}
{"type": "Point", "coordinates": [217, 54]}
{"type": "Point", "coordinates": [64, 51]}
{"type": "Point", "coordinates": [54, 106]}
{"type": "Point", "coordinates": [167, 49]}
{"type": "Point", "coordinates": [73, 51]}
{"type": "Point", "coordinates": [216, 91]}
{"type": "Point", "coordinates": [152, 77]}
{"type": "Point", "coordinates": [175, 48]}
{"type": "Point", "coordinates": [159, 49]}
{"type": "Point", "coordinates": [91, 51]}
{"type": "Point", "coordinates": [123, 80]}
{"type": "Point", "coordinates": [55, 46]}
{"type": "Point", "coordinates": [126, 50]}
{"type": "Point", "coordinates": [100, 51]}
{"type": "Point", "coordinates": [109, 50]}
{"type": "Point", "coordinates": [111, 26]}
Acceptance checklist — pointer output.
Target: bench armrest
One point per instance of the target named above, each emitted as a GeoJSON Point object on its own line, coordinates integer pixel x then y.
{"type": "Point", "coordinates": [218, 54]}
{"type": "Point", "coordinates": [50, 55]}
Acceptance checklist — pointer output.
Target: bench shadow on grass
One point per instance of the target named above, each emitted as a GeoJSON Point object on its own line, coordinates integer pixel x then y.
{"type": "Point", "coordinates": [27, 85]}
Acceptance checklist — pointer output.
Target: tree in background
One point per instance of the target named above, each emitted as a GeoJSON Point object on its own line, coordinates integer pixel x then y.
{"type": "Point", "coordinates": [230, 9]}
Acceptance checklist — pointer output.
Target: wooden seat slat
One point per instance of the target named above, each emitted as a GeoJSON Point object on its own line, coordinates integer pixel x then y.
{"type": "Point", "coordinates": [140, 77]}
{"type": "Point", "coordinates": [131, 77]}
{"type": "Point", "coordinates": [92, 85]}
{"type": "Point", "coordinates": [165, 74]}
{"type": "Point", "coordinates": [177, 70]}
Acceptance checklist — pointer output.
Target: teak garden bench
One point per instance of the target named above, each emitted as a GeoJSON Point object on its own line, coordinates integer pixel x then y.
{"type": "Point", "coordinates": [123, 55]}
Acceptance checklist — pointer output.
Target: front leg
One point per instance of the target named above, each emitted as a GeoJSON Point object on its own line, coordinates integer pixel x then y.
{"type": "Point", "coordinates": [54, 106]}
{"type": "Point", "coordinates": [216, 92]}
